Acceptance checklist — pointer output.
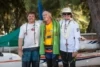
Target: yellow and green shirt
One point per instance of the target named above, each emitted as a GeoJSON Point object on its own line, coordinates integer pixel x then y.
{"type": "Point", "coordinates": [55, 37]}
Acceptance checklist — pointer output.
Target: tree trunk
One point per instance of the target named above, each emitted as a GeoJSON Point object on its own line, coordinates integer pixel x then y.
{"type": "Point", "coordinates": [94, 6]}
{"type": "Point", "coordinates": [90, 28]}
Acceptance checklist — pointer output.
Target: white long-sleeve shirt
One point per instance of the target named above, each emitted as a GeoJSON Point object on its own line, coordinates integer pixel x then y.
{"type": "Point", "coordinates": [69, 34]}
{"type": "Point", "coordinates": [30, 33]}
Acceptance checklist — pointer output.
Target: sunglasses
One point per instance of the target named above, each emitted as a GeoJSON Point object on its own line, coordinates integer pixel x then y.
{"type": "Point", "coordinates": [66, 13]}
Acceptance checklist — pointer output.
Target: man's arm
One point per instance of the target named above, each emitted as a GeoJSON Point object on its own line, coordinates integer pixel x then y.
{"type": "Point", "coordinates": [76, 39]}
{"type": "Point", "coordinates": [20, 43]}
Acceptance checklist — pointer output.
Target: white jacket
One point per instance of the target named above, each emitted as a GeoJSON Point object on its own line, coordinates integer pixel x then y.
{"type": "Point", "coordinates": [69, 34]}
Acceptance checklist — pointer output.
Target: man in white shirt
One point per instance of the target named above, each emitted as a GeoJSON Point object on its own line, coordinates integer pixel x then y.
{"type": "Point", "coordinates": [69, 38]}
{"type": "Point", "coordinates": [29, 39]}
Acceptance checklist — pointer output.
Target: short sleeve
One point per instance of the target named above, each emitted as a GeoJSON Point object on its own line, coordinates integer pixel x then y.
{"type": "Point", "coordinates": [21, 33]}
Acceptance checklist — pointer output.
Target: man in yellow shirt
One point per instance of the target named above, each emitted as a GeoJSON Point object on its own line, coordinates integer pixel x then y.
{"type": "Point", "coordinates": [49, 44]}
{"type": "Point", "coordinates": [48, 34]}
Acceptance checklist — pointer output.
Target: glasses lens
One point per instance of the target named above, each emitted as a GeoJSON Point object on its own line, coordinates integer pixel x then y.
{"type": "Point", "coordinates": [66, 13]}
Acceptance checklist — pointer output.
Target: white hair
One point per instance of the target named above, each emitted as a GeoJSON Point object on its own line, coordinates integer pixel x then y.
{"type": "Point", "coordinates": [47, 12]}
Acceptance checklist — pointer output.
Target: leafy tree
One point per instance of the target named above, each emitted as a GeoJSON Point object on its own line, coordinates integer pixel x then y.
{"type": "Point", "coordinates": [12, 14]}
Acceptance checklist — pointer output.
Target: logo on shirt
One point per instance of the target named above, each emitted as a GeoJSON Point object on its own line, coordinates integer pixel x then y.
{"type": "Point", "coordinates": [32, 29]}
{"type": "Point", "coordinates": [78, 29]}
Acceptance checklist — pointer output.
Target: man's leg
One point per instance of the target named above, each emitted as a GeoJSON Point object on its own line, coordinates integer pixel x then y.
{"type": "Point", "coordinates": [35, 58]}
{"type": "Point", "coordinates": [48, 59]}
{"type": "Point", "coordinates": [49, 62]}
{"type": "Point", "coordinates": [55, 60]}
{"type": "Point", "coordinates": [71, 60]}
{"type": "Point", "coordinates": [35, 63]}
{"type": "Point", "coordinates": [64, 58]}
{"type": "Point", "coordinates": [26, 58]}
{"type": "Point", "coordinates": [25, 64]}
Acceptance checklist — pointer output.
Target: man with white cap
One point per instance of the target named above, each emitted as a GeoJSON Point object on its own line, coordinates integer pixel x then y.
{"type": "Point", "coordinates": [69, 38]}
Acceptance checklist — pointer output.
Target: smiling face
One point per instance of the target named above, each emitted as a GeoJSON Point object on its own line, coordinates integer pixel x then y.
{"type": "Point", "coordinates": [31, 18]}
{"type": "Point", "coordinates": [46, 16]}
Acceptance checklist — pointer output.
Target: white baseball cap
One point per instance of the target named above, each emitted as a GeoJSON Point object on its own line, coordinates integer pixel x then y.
{"type": "Point", "coordinates": [66, 10]}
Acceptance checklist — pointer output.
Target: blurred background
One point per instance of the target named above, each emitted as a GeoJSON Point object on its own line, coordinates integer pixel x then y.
{"type": "Point", "coordinates": [85, 12]}
{"type": "Point", "coordinates": [13, 12]}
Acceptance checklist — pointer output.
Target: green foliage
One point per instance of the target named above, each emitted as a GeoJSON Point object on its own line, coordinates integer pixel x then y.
{"type": "Point", "coordinates": [30, 5]}
{"type": "Point", "coordinates": [13, 12]}
{"type": "Point", "coordinates": [82, 16]}
{"type": "Point", "coordinates": [52, 6]}
{"type": "Point", "coordinates": [74, 2]}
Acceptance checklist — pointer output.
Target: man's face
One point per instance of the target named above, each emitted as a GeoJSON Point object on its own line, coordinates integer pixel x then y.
{"type": "Point", "coordinates": [46, 16]}
{"type": "Point", "coordinates": [31, 18]}
{"type": "Point", "coordinates": [66, 16]}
